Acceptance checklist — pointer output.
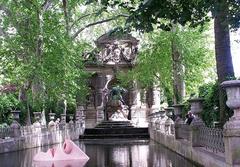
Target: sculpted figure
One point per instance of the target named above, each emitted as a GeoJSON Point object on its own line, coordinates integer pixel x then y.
{"type": "Point", "coordinates": [116, 93]}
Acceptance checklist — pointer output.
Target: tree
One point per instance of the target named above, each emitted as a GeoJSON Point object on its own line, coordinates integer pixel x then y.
{"type": "Point", "coordinates": [41, 48]}
{"type": "Point", "coordinates": [194, 12]}
{"type": "Point", "coordinates": [223, 52]}
{"type": "Point", "coordinates": [155, 61]}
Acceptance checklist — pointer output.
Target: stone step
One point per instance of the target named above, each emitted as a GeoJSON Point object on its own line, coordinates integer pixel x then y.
{"type": "Point", "coordinates": [115, 123]}
{"type": "Point", "coordinates": [114, 126]}
{"type": "Point", "coordinates": [110, 141]}
{"type": "Point", "coordinates": [108, 136]}
{"type": "Point", "coordinates": [115, 129]}
{"type": "Point", "coordinates": [129, 130]}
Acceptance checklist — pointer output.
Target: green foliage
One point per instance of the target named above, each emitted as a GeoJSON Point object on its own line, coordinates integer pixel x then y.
{"type": "Point", "coordinates": [209, 92]}
{"type": "Point", "coordinates": [198, 57]}
{"type": "Point", "coordinates": [42, 45]}
{"type": "Point", "coordinates": [41, 53]}
{"type": "Point", "coordinates": [164, 13]}
{"type": "Point", "coordinates": [8, 103]}
{"type": "Point", "coordinates": [154, 62]}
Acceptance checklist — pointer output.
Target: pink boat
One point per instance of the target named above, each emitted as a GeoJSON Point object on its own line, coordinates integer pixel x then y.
{"type": "Point", "coordinates": [67, 155]}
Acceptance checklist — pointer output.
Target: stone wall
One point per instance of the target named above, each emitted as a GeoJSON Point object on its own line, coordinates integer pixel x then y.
{"type": "Point", "coordinates": [40, 139]}
{"type": "Point", "coordinates": [210, 147]}
{"type": "Point", "coordinates": [183, 147]}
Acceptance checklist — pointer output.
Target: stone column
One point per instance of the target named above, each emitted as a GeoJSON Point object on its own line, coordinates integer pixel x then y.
{"type": "Point", "coordinates": [196, 109]}
{"type": "Point", "coordinates": [155, 99]}
{"type": "Point", "coordinates": [135, 97]}
{"type": "Point", "coordinates": [37, 124]}
{"type": "Point", "coordinates": [150, 117]}
{"type": "Point", "coordinates": [15, 124]}
{"type": "Point", "coordinates": [100, 114]}
{"type": "Point", "coordinates": [79, 114]}
{"type": "Point", "coordinates": [163, 120]}
{"type": "Point", "coordinates": [51, 124]}
{"type": "Point", "coordinates": [153, 120]}
{"type": "Point", "coordinates": [178, 109]}
{"type": "Point", "coordinates": [135, 103]}
{"type": "Point", "coordinates": [143, 99]}
{"type": "Point", "coordinates": [169, 124]}
{"type": "Point", "coordinates": [70, 118]}
{"type": "Point", "coordinates": [63, 118]}
{"type": "Point", "coordinates": [232, 127]}
{"type": "Point", "coordinates": [80, 119]}
{"type": "Point", "coordinates": [71, 123]}
{"type": "Point", "coordinates": [169, 112]}
{"type": "Point", "coordinates": [91, 112]}
{"type": "Point", "coordinates": [157, 121]}
{"type": "Point", "coordinates": [143, 112]}
{"type": "Point", "coordinates": [100, 86]}
{"type": "Point", "coordinates": [63, 121]}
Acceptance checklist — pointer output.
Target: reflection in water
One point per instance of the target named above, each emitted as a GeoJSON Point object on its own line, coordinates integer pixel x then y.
{"type": "Point", "coordinates": [106, 153]}
{"type": "Point", "coordinates": [69, 163]}
{"type": "Point", "coordinates": [69, 154]}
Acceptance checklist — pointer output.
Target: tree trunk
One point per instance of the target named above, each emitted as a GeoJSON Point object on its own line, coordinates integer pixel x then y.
{"type": "Point", "coordinates": [22, 96]}
{"type": "Point", "coordinates": [223, 53]}
{"type": "Point", "coordinates": [178, 71]}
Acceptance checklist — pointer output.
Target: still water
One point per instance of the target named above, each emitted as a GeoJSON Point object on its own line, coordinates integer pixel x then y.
{"type": "Point", "coordinates": [106, 153]}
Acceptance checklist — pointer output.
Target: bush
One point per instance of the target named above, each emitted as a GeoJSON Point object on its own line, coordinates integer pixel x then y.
{"type": "Point", "coordinates": [210, 93]}
{"type": "Point", "coordinates": [8, 103]}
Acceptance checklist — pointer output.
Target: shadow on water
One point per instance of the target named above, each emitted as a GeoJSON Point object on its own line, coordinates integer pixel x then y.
{"type": "Point", "coordinates": [106, 153]}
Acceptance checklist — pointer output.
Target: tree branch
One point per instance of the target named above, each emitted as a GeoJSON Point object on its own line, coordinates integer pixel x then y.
{"type": "Point", "coordinates": [86, 15]}
{"type": "Point", "coordinates": [64, 2]}
{"type": "Point", "coordinates": [98, 22]}
{"type": "Point", "coordinates": [157, 76]}
{"type": "Point", "coordinates": [46, 4]}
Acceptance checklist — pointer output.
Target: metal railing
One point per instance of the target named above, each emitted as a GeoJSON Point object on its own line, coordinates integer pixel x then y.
{"type": "Point", "coordinates": [212, 138]}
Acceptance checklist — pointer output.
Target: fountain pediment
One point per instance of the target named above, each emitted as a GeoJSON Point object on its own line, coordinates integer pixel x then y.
{"type": "Point", "coordinates": [115, 49]}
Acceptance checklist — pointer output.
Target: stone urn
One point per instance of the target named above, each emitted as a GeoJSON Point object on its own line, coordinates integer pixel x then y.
{"type": "Point", "coordinates": [196, 109]}
{"type": "Point", "coordinates": [62, 123]}
{"type": "Point", "coordinates": [51, 116]}
{"type": "Point", "coordinates": [231, 130]}
{"type": "Point", "coordinates": [169, 111]}
{"type": "Point", "coordinates": [51, 124]}
{"type": "Point", "coordinates": [169, 124]}
{"type": "Point", "coordinates": [233, 102]}
{"type": "Point", "coordinates": [15, 124]}
{"type": "Point", "coordinates": [63, 119]}
{"type": "Point", "coordinates": [178, 109]}
{"type": "Point", "coordinates": [37, 117]}
{"type": "Point", "coordinates": [71, 118]}
{"type": "Point", "coordinates": [163, 119]}
{"type": "Point", "coordinates": [157, 121]}
{"type": "Point", "coordinates": [37, 125]}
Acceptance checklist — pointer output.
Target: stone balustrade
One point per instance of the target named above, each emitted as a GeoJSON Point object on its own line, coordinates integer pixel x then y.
{"type": "Point", "coordinates": [16, 137]}
{"type": "Point", "coordinates": [231, 130]}
{"type": "Point", "coordinates": [204, 145]}
{"type": "Point", "coordinates": [163, 118]}
{"type": "Point", "coordinates": [169, 124]}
